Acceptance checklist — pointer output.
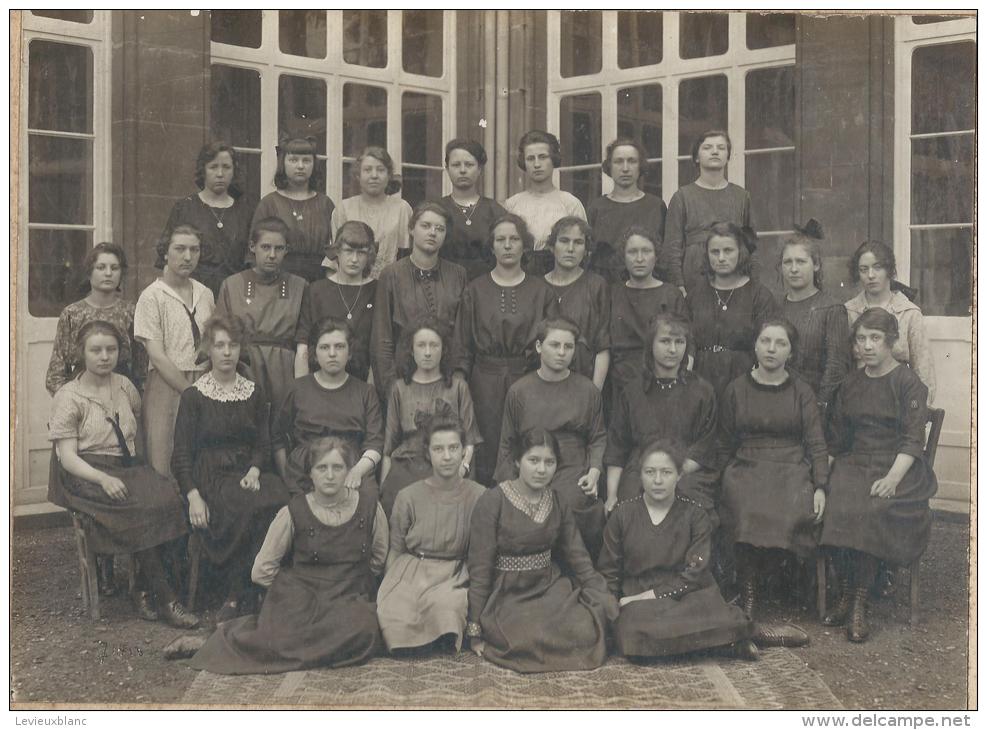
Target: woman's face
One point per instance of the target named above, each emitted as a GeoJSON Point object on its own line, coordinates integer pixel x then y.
{"type": "Point", "coordinates": [874, 277]}
{"type": "Point", "coordinates": [224, 352]}
{"type": "Point", "coordinates": [538, 161]}
{"type": "Point", "coordinates": [219, 173]}
{"type": "Point", "coordinates": [507, 245]}
{"type": "Point", "coordinates": [625, 166]}
{"type": "Point", "coordinates": [463, 169]}
{"type": "Point", "coordinates": [772, 348]}
{"type": "Point", "coordinates": [537, 467]}
{"type": "Point", "coordinates": [298, 168]}
{"type": "Point", "coordinates": [332, 352]}
{"type": "Point", "coordinates": [352, 261]}
{"type": "Point", "coordinates": [100, 354]}
{"type": "Point", "coordinates": [724, 255]}
{"type": "Point", "coordinates": [668, 350]}
{"type": "Point", "coordinates": [106, 273]}
{"type": "Point", "coordinates": [659, 475]}
{"type": "Point", "coordinates": [557, 350]}
{"type": "Point", "coordinates": [872, 347]}
{"type": "Point", "coordinates": [570, 248]}
{"type": "Point", "coordinates": [328, 475]}
{"type": "Point", "coordinates": [713, 154]}
{"type": "Point", "coordinates": [429, 232]}
{"type": "Point", "coordinates": [183, 254]}
{"type": "Point", "coordinates": [269, 252]}
{"type": "Point", "coordinates": [445, 451]}
{"type": "Point", "coordinates": [427, 350]}
{"type": "Point", "coordinates": [639, 257]}
{"type": "Point", "coordinates": [373, 176]}
{"type": "Point", "coordinates": [797, 267]}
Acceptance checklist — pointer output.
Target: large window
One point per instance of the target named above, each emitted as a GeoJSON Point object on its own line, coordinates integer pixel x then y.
{"type": "Point", "coordinates": [350, 78]}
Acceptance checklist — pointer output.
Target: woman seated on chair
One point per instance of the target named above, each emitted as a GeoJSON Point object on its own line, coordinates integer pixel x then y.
{"type": "Point", "coordinates": [222, 461]}
{"type": "Point", "coordinates": [878, 508]}
{"type": "Point", "coordinates": [129, 507]}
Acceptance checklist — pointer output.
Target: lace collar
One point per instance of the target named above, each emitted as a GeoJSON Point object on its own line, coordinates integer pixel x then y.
{"type": "Point", "coordinates": [539, 513]}
{"type": "Point", "coordinates": [210, 388]}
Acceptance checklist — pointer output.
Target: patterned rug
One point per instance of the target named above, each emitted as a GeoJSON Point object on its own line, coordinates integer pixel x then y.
{"type": "Point", "coordinates": [780, 680]}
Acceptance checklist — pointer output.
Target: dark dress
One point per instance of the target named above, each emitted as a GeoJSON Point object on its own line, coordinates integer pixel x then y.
{"type": "Point", "coordinates": [223, 246]}
{"type": "Point", "coordinates": [317, 613]}
{"type": "Point", "coordinates": [572, 409]}
{"type": "Point", "coordinates": [725, 339]}
{"type": "Point", "coordinates": [823, 355]}
{"type": "Point", "coordinates": [216, 442]}
{"type": "Point", "coordinates": [872, 421]}
{"type": "Point", "coordinates": [466, 244]}
{"type": "Point", "coordinates": [353, 303]}
{"type": "Point", "coordinates": [672, 559]}
{"type": "Point", "coordinates": [531, 616]}
{"type": "Point", "coordinates": [495, 335]}
{"type": "Point", "coordinates": [683, 409]}
{"type": "Point", "coordinates": [309, 230]}
{"type": "Point", "coordinates": [773, 437]}
{"type": "Point", "coordinates": [586, 301]}
{"type": "Point", "coordinates": [609, 219]}
{"type": "Point", "coordinates": [310, 411]}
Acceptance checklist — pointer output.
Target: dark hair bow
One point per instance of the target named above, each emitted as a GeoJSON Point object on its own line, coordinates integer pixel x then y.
{"type": "Point", "coordinates": [441, 409]}
{"type": "Point", "coordinates": [909, 291]}
{"type": "Point", "coordinates": [812, 229]}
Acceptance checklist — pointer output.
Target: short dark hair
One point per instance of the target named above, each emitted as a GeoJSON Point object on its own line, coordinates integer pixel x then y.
{"type": "Point", "coordinates": [673, 322]}
{"type": "Point", "coordinates": [439, 424]}
{"type": "Point", "coordinates": [533, 439]}
{"type": "Point", "coordinates": [790, 330]}
{"type": "Point", "coordinates": [358, 235]}
{"type": "Point", "coordinates": [231, 324]}
{"type": "Point", "coordinates": [404, 355]}
{"type": "Point", "coordinates": [568, 222]}
{"type": "Point", "coordinates": [209, 152]}
{"type": "Point", "coordinates": [298, 146]}
{"type": "Point", "coordinates": [428, 206]}
{"type": "Point", "coordinates": [621, 244]}
{"type": "Point", "coordinates": [89, 329]}
{"type": "Point", "coordinates": [670, 447]}
{"type": "Point", "coordinates": [317, 450]}
{"type": "Point", "coordinates": [882, 252]}
{"type": "Point", "coordinates": [735, 232]}
{"type": "Point", "coordinates": [626, 142]}
{"type": "Point", "coordinates": [182, 229]}
{"type": "Point", "coordinates": [539, 136]}
{"type": "Point", "coordinates": [876, 318]}
{"type": "Point", "coordinates": [327, 325]}
{"type": "Point", "coordinates": [706, 135]}
{"type": "Point", "coordinates": [527, 240]}
{"type": "Point", "coordinates": [378, 153]}
{"type": "Point", "coordinates": [556, 323]}
{"type": "Point", "coordinates": [271, 224]}
{"type": "Point", "coordinates": [89, 262]}
{"type": "Point", "coordinates": [467, 145]}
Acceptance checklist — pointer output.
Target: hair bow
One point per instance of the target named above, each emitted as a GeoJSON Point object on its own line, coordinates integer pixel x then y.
{"type": "Point", "coordinates": [812, 229]}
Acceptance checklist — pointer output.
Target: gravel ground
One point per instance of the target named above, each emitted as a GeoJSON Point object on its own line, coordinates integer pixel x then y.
{"type": "Point", "coordinates": [58, 655]}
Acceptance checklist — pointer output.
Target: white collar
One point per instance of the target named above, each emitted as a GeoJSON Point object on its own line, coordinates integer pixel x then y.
{"type": "Point", "coordinates": [241, 390]}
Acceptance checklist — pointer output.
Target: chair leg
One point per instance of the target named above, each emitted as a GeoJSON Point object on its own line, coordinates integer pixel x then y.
{"type": "Point", "coordinates": [913, 592]}
{"type": "Point", "coordinates": [87, 569]}
{"type": "Point", "coordinates": [821, 585]}
{"type": "Point", "coordinates": [194, 556]}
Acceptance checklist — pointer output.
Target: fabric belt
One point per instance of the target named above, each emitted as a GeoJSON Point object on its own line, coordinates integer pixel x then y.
{"type": "Point", "coordinates": [720, 348]}
{"type": "Point", "coordinates": [535, 561]}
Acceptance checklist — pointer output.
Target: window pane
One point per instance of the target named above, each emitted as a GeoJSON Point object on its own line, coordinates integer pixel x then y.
{"type": "Point", "coordinates": [942, 180]}
{"type": "Point", "coordinates": [770, 108]}
{"type": "Point", "coordinates": [421, 42]}
{"type": "Point", "coordinates": [639, 116]}
{"type": "Point", "coordinates": [350, 186]}
{"type": "Point", "coordinates": [302, 109]}
{"type": "Point", "coordinates": [942, 266]}
{"type": "Point", "coordinates": [688, 172]}
{"type": "Point", "coordinates": [584, 184]}
{"type": "Point", "coordinates": [235, 115]}
{"type": "Point", "coordinates": [944, 95]}
{"type": "Point", "coordinates": [580, 121]}
{"type": "Point", "coordinates": [639, 38]}
{"type": "Point", "coordinates": [702, 34]}
{"type": "Point", "coordinates": [582, 42]}
{"type": "Point", "coordinates": [364, 118]}
{"type": "Point", "coordinates": [702, 106]}
{"type": "Point", "coordinates": [421, 128]}
{"type": "Point", "coordinates": [248, 174]}
{"type": "Point", "coordinates": [75, 16]}
{"type": "Point", "coordinates": [54, 270]}
{"type": "Point", "coordinates": [237, 27]}
{"type": "Point", "coordinates": [302, 32]}
{"type": "Point", "coordinates": [767, 30]}
{"type": "Point", "coordinates": [60, 87]}
{"type": "Point", "coordinates": [651, 183]}
{"type": "Point", "coordinates": [60, 180]}
{"type": "Point", "coordinates": [770, 179]}
{"type": "Point", "coordinates": [418, 185]}
{"type": "Point", "coordinates": [365, 37]}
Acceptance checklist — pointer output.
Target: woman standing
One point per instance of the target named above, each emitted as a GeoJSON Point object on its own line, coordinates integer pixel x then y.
{"type": "Point", "coordinates": [301, 204]}
{"type": "Point", "coordinates": [495, 331]}
{"type": "Point", "coordinates": [386, 214]}
{"type": "Point", "coordinates": [219, 211]}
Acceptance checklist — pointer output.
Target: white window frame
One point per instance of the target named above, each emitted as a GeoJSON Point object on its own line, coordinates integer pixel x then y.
{"type": "Point", "coordinates": [270, 62]}
{"type": "Point", "coordinates": [907, 37]}
{"type": "Point", "coordinates": [669, 72]}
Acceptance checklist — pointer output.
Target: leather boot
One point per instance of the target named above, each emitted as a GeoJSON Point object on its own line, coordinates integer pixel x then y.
{"type": "Point", "coordinates": [857, 629]}
{"type": "Point", "coordinates": [746, 650]}
{"type": "Point", "coordinates": [104, 575]}
{"type": "Point", "coordinates": [748, 596]}
{"type": "Point", "coordinates": [144, 605]}
{"type": "Point", "coordinates": [175, 614]}
{"type": "Point", "coordinates": [836, 616]}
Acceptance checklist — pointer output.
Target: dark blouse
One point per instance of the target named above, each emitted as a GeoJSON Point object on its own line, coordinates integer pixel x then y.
{"type": "Point", "coordinates": [823, 355]}
{"type": "Point", "coordinates": [631, 311]}
{"type": "Point", "coordinates": [309, 230]}
{"type": "Point", "coordinates": [586, 301]}
{"type": "Point", "coordinates": [353, 303]}
{"type": "Point", "coordinates": [609, 219]}
{"type": "Point", "coordinates": [467, 245]}
{"type": "Point", "coordinates": [731, 328]}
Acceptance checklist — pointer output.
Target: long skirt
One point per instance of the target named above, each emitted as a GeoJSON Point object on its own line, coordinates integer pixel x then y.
{"type": "Point", "coordinates": [421, 600]}
{"type": "Point", "coordinates": [406, 469]}
{"type": "Point", "coordinates": [489, 382]}
{"type": "Point", "coordinates": [272, 368]}
{"type": "Point", "coordinates": [895, 530]}
{"type": "Point", "coordinates": [589, 512]}
{"type": "Point", "coordinates": [720, 368]}
{"type": "Point", "coordinates": [160, 410]}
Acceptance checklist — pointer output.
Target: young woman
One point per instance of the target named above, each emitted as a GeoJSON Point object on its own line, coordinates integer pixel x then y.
{"type": "Point", "coordinates": [656, 561]}
{"type": "Point", "coordinates": [423, 595]}
{"type": "Point", "coordinates": [580, 296]}
{"type": "Point", "coordinates": [95, 471]}
{"type": "Point", "coordinates": [386, 214]}
{"type": "Point", "coordinates": [878, 506]}
{"type": "Point", "coordinates": [301, 204]}
{"type": "Point", "coordinates": [219, 211]}
{"type": "Point", "coordinates": [873, 267]}
{"type": "Point", "coordinates": [523, 613]}
{"type": "Point", "coordinates": [774, 484]}
{"type": "Point", "coordinates": [495, 332]}
{"type": "Point", "coordinates": [269, 301]}
{"type": "Point", "coordinates": [569, 406]}
{"type": "Point", "coordinates": [319, 610]}
{"type": "Point", "coordinates": [726, 306]}
{"type": "Point", "coordinates": [418, 285]}
{"type": "Point", "coordinates": [328, 402]}
{"type": "Point", "coordinates": [470, 213]}
{"type": "Point", "coordinates": [222, 462]}
{"type": "Point", "coordinates": [668, 402]}
{"type": "Point", "coordinates": [823, 357]}
{"type": "Point", "coordinates": [347, 293]}
{"type": "Point", "coordinates": [424, 388]}
{"type": "Point", "coordinates": [105, 265]}
{"type": "Point", "coordinates": [168, 321]}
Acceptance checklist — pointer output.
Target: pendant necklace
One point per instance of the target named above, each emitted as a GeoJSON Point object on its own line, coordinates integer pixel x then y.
{"type": "Point", "coordinates": [563, 289]}
{"type": "Point", "coordinates": [219, 218]}
{"type": "Point", "coordinates": [349, 309]}
{"type": "Point", "coordinates": [468, 211]}
{"type": "Point", "coordinates": [723, 304]}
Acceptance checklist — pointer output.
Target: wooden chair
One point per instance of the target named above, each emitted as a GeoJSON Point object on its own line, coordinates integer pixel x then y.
{"type": "Point", "coordinates": [935, 419]}
{"type": "Point", "coordinates": [81, 526]}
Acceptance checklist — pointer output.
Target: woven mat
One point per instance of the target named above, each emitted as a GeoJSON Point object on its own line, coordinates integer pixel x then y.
{"type": "Point", "coordinates": [780, 680]}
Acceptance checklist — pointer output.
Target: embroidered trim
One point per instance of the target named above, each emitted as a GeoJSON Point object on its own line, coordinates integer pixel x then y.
{"type": "Point", "coordinates": [536, 561]}
{"type": "Point", "coordinates": [242, 389]}
{"type": "Point", "coordinates": [538, 513]}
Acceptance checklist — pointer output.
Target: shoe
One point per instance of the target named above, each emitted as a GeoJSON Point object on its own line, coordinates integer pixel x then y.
{"type": "Point", "coordinates": [144, 605]}
{"type": "Point", "coordinates": [229, 611]}
{"type": "Point", "coordinates": [184, 647]}
{"type": "Point", "coordinates": [858, 630]}
{"type": "Point", "coordinates": [748, 597]}
{"type": "Point", "coordinates": [836, 616]}
{"type": "Point", "coordinates": [174, 614]}
{"type": "Point", "coordinates": [779, 634]}
{"type": "Point", "coordinates": [104, 576]}
{"type": "Point", "coordinates": [746, 650]}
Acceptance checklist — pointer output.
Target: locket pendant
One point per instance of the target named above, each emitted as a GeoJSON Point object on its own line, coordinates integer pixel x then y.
{"type": "Point", "coordinates": [724, 307]}
{"type": "Point", "coordinates": [219, 224]}
{"type": "Point", "coordinates": [469, 222]}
